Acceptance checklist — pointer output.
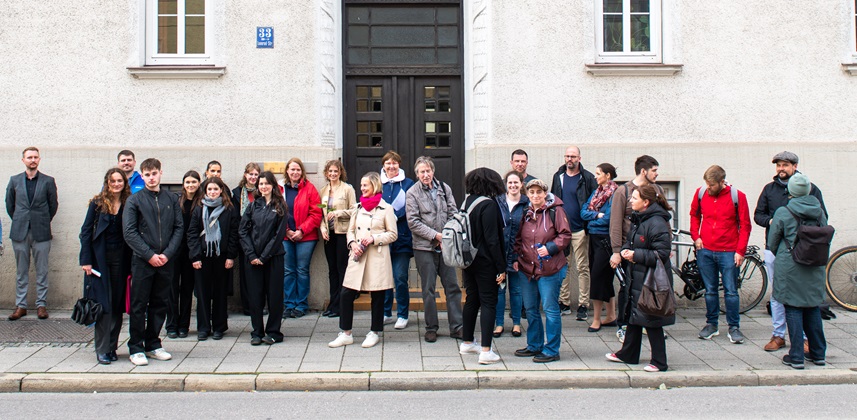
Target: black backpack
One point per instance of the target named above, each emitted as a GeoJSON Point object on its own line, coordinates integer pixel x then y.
{"type": "Point", "coordinates": [812, 243]}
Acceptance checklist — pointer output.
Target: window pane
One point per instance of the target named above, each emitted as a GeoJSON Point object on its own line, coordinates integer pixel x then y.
{"type": "Point", "coordinates": [358, 15]}
{"type": "Point", "coordinates": [612, 6]}
{"type": "Point", "coordinates": [612, 33]}
{"type": "Point", "coordinates": [403, 56]}
{"type": "Point", "coordinates": [431, 142]}
{"type": "Point", "coordinates": [639, 6]}
{"type": "Point", "coordinates": [394, 36]}
{"type": "Point", "coordinates": [362, 91]}
{"type": "Point", "coordinates": [358, 35]}
{"type": "Point", "coordinates": [194, 7]}
{"type": "Point", "coordinates": [431, 127]}
{"type": "Point", "coordinates": [363, 141]}
{"type": "Point", "coordinates": [431, 106]}
{"type": "Point", "coordinates": [376, 91]}
{"type": "Point", "coordinates": [194, 35]}
{"type": "Point", "coordinates": [402, 15]}
{"type": "Point", "coordinates": [443, 106]}
{"type": "Point", "coordinates": [443, 141]}
{"type": "Point", "coordinates": [447, 35]}
{"type": "Point", "coordinates": [444, 127]}
{"type": "Point", "coordinates": [376, 105]}
{"type": "Point", "coordinates": [376, 141]}
{"type": "Point", "coordinates": [429, 91]}
{"type": "Point", "coordinates": [167, 35]}
{"type": "Point", "coordinates": [362, 105]}
{"type": "Point", "coordinates": [358, 56]}
{"type": "Point", "coordinates": [443, 92]}
{"type": "Point", "coordinates": [447, 15]}
{"type": "Point", "coordinates": [362, 126]}
{"type": "Point", "coordinates": [167, 7]}
{"type": "Point", "coordinates": [376, 127]}
{"type": "Point", "coordinates": [447, 55]}
{"type": "Point", "coordinates": [640, 33]}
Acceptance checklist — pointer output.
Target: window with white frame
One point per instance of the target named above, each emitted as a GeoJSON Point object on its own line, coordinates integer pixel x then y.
{"type": "Point", "coordinates": [178, 32]}
{"type": "Point", "coordinates": [628, 31]}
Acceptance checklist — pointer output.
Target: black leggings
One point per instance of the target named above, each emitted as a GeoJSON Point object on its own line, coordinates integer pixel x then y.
{"type": "Point", "coordinates": [481, 287]}
{"type": "Point", "coordinates": [346, 309]}
{"type": "Point", "coordinates": [336, 252]}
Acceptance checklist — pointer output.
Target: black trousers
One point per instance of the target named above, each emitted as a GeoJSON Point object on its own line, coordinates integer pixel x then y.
{"type": "Point", "coordinates": [211, 291]}
{"type": "Point", "coordinates": [181, 295]}
{"type": "Point", "coordinates": [336, 252]}
{"type": "Point", "coordinates": [108, 327]}
{"type": "Point", "coordinates": [346, 309]}
{"type": "Point", "coordinates": [241, 266]}
{"type": "Point", "coordinates": [622, 299]}
{"type": "Point", "coordinates": [150, 294]}
{"type": "Point", "coordinates": [630, 352]}
{"type": "Point", "coordinates": [265, 284]}
{"type": "Point", "coordinates": [481, 287]}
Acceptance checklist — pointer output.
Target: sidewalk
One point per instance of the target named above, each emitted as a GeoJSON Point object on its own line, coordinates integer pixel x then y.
{"type": "Point", "coordinates": [403, 360]}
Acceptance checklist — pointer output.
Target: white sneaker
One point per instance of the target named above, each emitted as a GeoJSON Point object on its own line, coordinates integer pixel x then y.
{"type": "Point", "coordinates": [341, 340]}
{"type": "Point", "coordinates": [473, 348]}
{"type": "Point", "coordinates": [389, 320]}
{"type": "Point", "coordinates": [371, 339]}
{"type": "Point", "coordinates": [620, 334]}
{"type": "Point", "coordinates": [488, 357]}
{"type": "Point", "coordinates": [159, 354]}
{"type": "Point", "coordinates": [139, 359]}
{"type": "Point", "coordinates": [401, 323]}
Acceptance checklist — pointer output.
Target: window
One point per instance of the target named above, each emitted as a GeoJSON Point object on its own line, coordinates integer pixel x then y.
{"type": "Point", "coordinates": [628, 31]}
{"type": "Point", "coordinates": [178, 32]}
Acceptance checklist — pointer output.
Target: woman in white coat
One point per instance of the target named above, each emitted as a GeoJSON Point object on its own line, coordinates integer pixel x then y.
{"type": "Point", "coordinates": [371, 231]}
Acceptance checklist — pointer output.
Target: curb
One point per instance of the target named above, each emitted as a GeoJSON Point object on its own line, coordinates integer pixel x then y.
{"type": "Point", "coordinates": [410, 381]}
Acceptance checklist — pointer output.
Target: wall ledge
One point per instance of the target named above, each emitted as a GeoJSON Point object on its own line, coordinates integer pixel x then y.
{"type": "Point", "coordinates": [177, 72]}
{"type": "Point", "coordinates": [600, 69]}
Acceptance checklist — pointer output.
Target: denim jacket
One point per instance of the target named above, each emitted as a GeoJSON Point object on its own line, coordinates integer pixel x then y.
{"type": "Point", "coordinates": [512, 222]}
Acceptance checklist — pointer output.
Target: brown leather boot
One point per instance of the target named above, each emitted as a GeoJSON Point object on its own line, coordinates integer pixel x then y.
{"type": "Point", "coordinates": [42, 312]}
{"type": "Point", "coordinates": [19, 312]}
{"type": "Point", "coordinates": [775, 344]}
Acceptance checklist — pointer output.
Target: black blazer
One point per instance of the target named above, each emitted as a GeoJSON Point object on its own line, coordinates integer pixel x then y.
{"type": "Point", "coordinates": [93, 251]}
{"type": "Point", "coordinates": [229, 222]}
{"type": "Point", "coordinates": [34, 217]}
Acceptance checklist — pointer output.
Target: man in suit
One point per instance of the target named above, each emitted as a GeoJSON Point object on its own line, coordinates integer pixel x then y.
{"type": "Point", "coordinates": [31, 201]}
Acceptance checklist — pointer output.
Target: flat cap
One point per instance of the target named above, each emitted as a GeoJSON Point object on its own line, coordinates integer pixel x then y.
{"type": "Point", "coordinates": [786, 156]}
{"type": "Point", "coordinates": [537, 183]}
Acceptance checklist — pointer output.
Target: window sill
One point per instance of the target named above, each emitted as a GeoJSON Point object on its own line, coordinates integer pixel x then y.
{"type": "Point", "coordinates": [633, 69]}
{"type": "Point", "coordinates": [850, 68]}
{"type": "Point", "coordinates": [177, 72]}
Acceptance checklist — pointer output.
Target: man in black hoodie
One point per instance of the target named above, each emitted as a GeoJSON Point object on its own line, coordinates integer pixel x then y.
{"type": "Point", "coordinates": [774, 196]}
{"type": "Point", "coordinates": [152, 227]}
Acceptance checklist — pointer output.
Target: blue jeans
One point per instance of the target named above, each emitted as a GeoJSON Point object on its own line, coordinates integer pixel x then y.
{"type": "Point", "coordinates": [401, 263]}
{"type": "Point", "coordinates": [713, 266]}
{"type": "Point", "coordinates": [514, 279]}
{"type": "Point", "coordinates": [805, 321]}
{"type": "Point", "coordinates": [546, 292]}
{"type": "Point", "coordinates": [296, 277]}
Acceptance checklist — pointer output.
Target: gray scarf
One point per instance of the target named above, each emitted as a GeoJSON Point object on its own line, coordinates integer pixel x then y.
{"type": "Point", "coordinates": [211, 226]}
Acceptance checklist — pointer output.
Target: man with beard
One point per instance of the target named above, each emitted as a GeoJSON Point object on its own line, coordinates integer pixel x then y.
{"type": "Point", "coordinates": [774, 196]}
{"type": "Point", "coordinates": [126, 161]}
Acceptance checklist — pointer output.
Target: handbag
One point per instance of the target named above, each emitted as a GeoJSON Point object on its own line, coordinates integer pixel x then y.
{"type": "Point", "coordinates": [656, 297]}
{"type": "Point", "coordinates": [86, 310]}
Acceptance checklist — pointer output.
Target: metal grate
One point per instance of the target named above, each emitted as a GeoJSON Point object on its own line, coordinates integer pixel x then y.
{"type": "Point", "coordinates": [44, 331]}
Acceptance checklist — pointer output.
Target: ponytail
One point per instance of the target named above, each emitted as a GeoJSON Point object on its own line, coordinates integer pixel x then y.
{"type": "Point", "coordinates": [654, 195]}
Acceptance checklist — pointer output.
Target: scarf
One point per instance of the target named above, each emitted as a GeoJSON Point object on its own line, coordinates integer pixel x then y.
{"type": "Point", "coordinates": [398, 202]}
{"type": "Point", "coordinates": [211, 226]}
{"type": "Point", "coordinates": [246, 198]}
{"type": "Point", "coordinates": [602, 195]}
{"type": "Point", "coordinates": [369, 203]}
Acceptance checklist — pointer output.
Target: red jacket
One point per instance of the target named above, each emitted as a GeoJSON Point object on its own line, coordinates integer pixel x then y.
{"type": "Point", "coordinates": [306, 211]}
{"type": "Point", "coordinates": [719, 228]}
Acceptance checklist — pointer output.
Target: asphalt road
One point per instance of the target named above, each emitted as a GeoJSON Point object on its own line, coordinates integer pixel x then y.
{"type": "Point", "coordinates": [818, 401]}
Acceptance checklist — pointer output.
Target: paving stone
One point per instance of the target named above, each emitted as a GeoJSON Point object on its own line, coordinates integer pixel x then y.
{"type": "Point", "coordinates": [279, 364]}
{"type": "Point", "coordinates": [198, 365]}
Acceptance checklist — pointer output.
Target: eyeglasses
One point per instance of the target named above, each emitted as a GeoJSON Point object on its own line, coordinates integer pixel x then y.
{"type": "Point", "coordinates": [571, 157]}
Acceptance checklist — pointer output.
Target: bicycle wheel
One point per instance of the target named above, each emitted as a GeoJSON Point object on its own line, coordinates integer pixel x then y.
{"type": "Point", "coordinates": [752, 284]}
{"type": "Point", "coordinates": [842, 278]}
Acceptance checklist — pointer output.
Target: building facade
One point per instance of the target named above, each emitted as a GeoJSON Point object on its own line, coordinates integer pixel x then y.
{"type": "Point", "coordinates": [464, 81]}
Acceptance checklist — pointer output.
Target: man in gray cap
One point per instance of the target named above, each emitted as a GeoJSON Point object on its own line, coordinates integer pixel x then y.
{"type": "Point", "coordinates": [774, 196]}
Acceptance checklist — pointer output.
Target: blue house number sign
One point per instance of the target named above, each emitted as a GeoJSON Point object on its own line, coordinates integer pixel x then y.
{"type": "Point", "coordinates": [264, 37]}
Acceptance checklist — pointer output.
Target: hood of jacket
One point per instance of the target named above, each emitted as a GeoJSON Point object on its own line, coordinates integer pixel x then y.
{"type": "Point", "coordinates": [398, 178]}
{"type": "Point", "coordinates": [654, 210]}
{"type": "Point", "coordinates": [807, 207]}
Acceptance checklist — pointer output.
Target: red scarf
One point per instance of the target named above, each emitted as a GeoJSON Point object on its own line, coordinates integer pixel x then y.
{"type": "Point", "coordinates": [602, 194]}
{"type": "Point", "coordinates": [369, 203]}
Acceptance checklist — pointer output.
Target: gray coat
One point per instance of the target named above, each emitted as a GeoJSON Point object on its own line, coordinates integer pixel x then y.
{"type": "Point", "coordinates": [32, 217]}
{"type": "Point", "coordinates": [427, 215]}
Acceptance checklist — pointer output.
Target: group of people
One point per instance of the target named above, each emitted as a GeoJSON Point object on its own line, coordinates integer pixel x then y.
{"type": "Point", "coordinates": [147, 251]}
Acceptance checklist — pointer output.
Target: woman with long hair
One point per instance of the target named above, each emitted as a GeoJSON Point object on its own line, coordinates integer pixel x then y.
{"type": "Point", "coordinates": [512, 206]}
{"type": "Point", "coordinates": [212, 240]}
{"type": "Point", "coordinates": [338, 199]}
{"type": "Point", "coordinates": [596, 211]}
{"type": "Point", "coordinates": [181, 293]}
{"type": "Point", "coordinates": [648, 240]}
{"type": "Point", "coordinates": [304, 217]}
{"type": "Point", "coordinates": [106, 260]}
{"type": "Point", "coordinates": [261, 232]}
{"type": "Point", "coordinates": [242, 197]}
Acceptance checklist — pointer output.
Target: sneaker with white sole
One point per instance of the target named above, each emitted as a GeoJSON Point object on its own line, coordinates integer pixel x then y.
{"type": "Point", "coordinates": [735, 335]}
{"type": "Point", "coordinates": [651, 368]}
{"type": "Point", "coordinates": [488, 357]}
{"type": "Point", "coordinates": [389, 320]}
{"type": "Point", "coordinates": [159, 354]}
{"type": "Point", "coordinates": [401, 323]}
{"type": "Point", "coordinates": [613, 358]}
{"type": "Point", "coordinates": [620, 334]}
{"type": "Point", "coordinates": [139, 359]}
{"type": "Point", "coordinates": [472, 348]}
{"type": "Point", "coordinates": [371, 339]}
{"type": "Point", "coordinates": [710, 330]}
{"type": "Point", "coordinates": [342, 339]}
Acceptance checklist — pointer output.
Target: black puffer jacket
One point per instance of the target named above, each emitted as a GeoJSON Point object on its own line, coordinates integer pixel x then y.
{"type": "Point", "coordinates": [774, 196]}
{"type": "Point", "coordinates": [262, 231]}
{"type": "Point", "coordinates": [649, 238]}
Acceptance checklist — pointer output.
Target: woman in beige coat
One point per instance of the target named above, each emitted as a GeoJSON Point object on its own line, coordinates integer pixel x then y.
{"type": "Point", "coordinates": [371, 231]}
{"type": "Point", "coordinates": [337, 198]}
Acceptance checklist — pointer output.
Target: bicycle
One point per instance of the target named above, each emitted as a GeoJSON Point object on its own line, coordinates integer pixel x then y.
{"type": "Point", "coordinates": [752, 282]}
{"type": "Point", "coordinates": [841, 278]}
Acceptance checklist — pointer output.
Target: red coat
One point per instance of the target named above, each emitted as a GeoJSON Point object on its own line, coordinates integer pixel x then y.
{"type": "Point", "coordinates": [306, 211]}
{"type": "Point", "coordinates": [719, 227]}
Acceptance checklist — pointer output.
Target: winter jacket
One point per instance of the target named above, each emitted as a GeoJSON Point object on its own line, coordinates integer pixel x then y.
{"type": "Point", "coordinates": [556, 236]}
{"type": "Point", "coordinates": [596, 225]}
{"type": "Point", "coordinates": [774, 196]}
{"type": "Point", "coordinates": [620, 214]}
{"type": "Point", "coordinates": [152, 224]}
{"type": "Point", "coordinates": [795, 284]}
{"type": "Point", "coordinates": [261, 230]}
{"type": "Point", "coordinates": [512, 223]}
{"type": "Point", "coordinates": [395, 193]}
{"type": "Point", "coordinates": [229, 222]}
{"type": "Point", "coordinates": [585, 185]}
{"type": "Point", "coordinates": [306, 212]}
{"type": "Point", "coordinates": [486, 235]}
{"type": "Point", "coordinates": [93, 251]}
{"type": "Point", "coordinates": [650, 238]}
{"type": "Point", "coordinates": [342, 206]}
{"type": "Point", "coordinates": [426, 215]}
{"type": "Point", "coordinates": [718, 226]}
{"type": "Point", "coordinates": [373, 270]}
{"type": "Point", "coordinates": [136, 182]}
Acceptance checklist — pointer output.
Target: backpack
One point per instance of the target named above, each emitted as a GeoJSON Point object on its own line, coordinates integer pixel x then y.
{"type": "Point", "coordinates": [812, 243]}
{"type": "Point", "coordinates": [456, 248]}
{"type": "Point", "coordinates": [552, 215]}
{"type": "Point", "coordinates": [734, 202]}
